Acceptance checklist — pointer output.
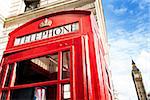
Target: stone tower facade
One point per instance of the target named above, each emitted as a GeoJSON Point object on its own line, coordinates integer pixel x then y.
{"type": "Point", "coordinates": [137, 78]}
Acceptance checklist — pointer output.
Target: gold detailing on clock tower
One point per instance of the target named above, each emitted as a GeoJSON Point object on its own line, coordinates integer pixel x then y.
{"type": "Point", "coordinates": [137, 78]}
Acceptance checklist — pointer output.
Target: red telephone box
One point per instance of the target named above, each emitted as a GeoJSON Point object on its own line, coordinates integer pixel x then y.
{"type": "Point", "coordinates": [55, 57]}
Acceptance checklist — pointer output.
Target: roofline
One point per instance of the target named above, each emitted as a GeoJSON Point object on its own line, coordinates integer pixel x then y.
{"type": "Point", "coordinates": [84, 12]}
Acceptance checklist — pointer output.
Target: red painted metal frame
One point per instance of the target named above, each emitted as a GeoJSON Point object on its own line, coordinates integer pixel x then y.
{"type": "Point", "coordinates": [87, 74]}
{"type": "Point", "coordinates": [47, 83]}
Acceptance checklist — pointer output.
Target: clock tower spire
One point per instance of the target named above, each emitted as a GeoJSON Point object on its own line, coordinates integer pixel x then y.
{"type": "Point", "coordinates": [137, 78]}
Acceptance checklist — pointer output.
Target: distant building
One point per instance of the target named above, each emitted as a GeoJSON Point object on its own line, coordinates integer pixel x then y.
{"type": "Point", "coordinates": [137, 78]}
{"type": "Point", "coordinates": [148, 96]}
{"type": "Point", "coordinates": [116, 95]}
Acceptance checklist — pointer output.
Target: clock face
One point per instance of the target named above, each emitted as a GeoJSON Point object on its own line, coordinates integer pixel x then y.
{"type": "Point", "coordinates": [137, 75]}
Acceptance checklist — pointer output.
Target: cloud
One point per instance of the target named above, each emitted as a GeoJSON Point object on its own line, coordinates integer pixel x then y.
{"type": "Point", "coordinates": [117, 11]}
{"type": "Point", "coordinates": [125, 86]}
{"type": "Point", "coordinates": [124, 46]}
{"type": "Point", "coordinates": [141, 3]}
{"type": "Point", "coordinates": [144, 3]}
{"type": "Point", "coordinates": [143, 62]}
{"type": "Point", "coordinates": [120, 11]}
{"type": "Point", "coordinates": [129, 38]}
{"type": "Point", "coordinates": [120, 64]}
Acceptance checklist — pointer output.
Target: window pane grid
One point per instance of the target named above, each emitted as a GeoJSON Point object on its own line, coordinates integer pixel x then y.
{"type": "Point", "coordinates": [66, 91]}
{"type": "Point", "coordinates": [9, 73]}
{"type": "Point", "coordinates": [47, 83]}
{"type": "Point", "coordinates": [4, 95]}
{"type": "Point", "coordinates": [2, 75]}
{"type": "Point", "coordinates": [62, 61]}
{"type": "Point", "coordinates": [65, 64]}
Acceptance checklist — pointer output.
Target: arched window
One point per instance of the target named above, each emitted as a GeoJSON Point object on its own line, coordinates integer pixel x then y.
{"type": "Point", "coordinates": [31, 4]}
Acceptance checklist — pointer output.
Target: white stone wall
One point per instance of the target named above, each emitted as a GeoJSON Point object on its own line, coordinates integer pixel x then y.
{"type": "Point", "coordinates": [4, 9]}
{"type": "Point", "coordinates": [2, 37]}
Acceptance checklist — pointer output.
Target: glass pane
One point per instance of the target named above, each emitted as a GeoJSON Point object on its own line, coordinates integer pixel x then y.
{"type": "Point", "coordinates": [2, 74]}
{"type": "Point", "coordinates": [37, 70]}
{"type": "Point", "coordinates": [22, 94]}
{"type": "Point", "coordinates": [51, 93]}
{"type": "Point", "coordinates": [66, 92]}
{"type": "Point", "coordinates": [66, 65]}
{"type": "Point", "coordinates": [4, 95]}
{"type": "Point", "coordinates": [35, 93]}
{"type": "Point", "coordinates": [9, 74]}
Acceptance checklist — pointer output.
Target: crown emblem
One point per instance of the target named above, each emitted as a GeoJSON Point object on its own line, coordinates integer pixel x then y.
{"type": "Point", "coordinates": [45, 23]}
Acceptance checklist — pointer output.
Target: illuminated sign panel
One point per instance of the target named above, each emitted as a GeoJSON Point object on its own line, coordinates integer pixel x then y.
{"type": "Point", "coordinates": [47, 33]}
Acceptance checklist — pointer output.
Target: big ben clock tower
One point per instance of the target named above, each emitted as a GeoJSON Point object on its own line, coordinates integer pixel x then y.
{"type": "Point", "coordinates": [137, 78]}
